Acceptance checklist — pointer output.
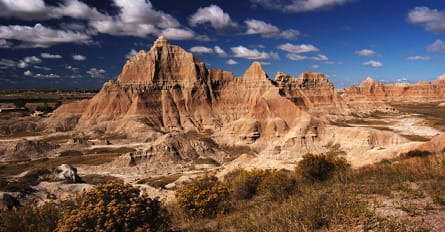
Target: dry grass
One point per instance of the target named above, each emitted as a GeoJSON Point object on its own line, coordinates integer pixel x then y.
{"type": "Point", "coordinates": [340, 204]}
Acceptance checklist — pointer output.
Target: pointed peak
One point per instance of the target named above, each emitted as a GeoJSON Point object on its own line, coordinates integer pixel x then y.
{"type": "Point", "coordinates": [441, 78]}
{"type": "Point", "coordinates": [160, 42]}
{"type": "Point", "coordinates": [255, 72]}
{"type": "Point", "coordinates": [368, 79]}
{"type": "Point", "coordinates": [367, 82]}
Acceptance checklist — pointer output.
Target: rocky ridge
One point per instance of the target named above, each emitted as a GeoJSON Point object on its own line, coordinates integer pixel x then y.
{"type": "Point", "coordinates": [166, 94]}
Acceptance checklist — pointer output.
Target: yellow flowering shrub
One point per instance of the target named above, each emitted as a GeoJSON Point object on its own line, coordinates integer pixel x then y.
{"type": "Point", "coordinates": [114, 207]}
{"type": "Point", "coordinates": [205, 197]}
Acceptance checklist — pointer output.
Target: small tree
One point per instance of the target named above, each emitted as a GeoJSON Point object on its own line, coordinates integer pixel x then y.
{"type": "Point", "coordinates": [114, 207]}
{"type": "Point", "coordinates": [205, 197]}
{"type": "Point", "coordinates": [244, 184]}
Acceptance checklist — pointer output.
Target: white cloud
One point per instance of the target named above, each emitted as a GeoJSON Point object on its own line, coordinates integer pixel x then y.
{"type": "Point", "coordinates": [119, 28]}
{"type": "Point", "coordinates": [214, 15]}
{"type": "Point", "coordinates": [46, 55]}
{"type": "Point", "coordinates": [42, 68]}
{"type": "Point", "coordinates": [261, 27]}
{"type": "Point", "coordinates": [290, 34]}
{"type": "Point", "coordinates": [78, 10]}
{"type": "Point", "coordinates": [41, 36]}
{"type": "Point", "coordinates": [432, 19]}
{"type": "Point", "coordinates": [131, 53]}
{"type": "Point", "coordinates": [96, 73]}
{"type": "Point", "coordinates": [72, 68]}
{"type": "Point", "coordinates": [27, 73]}
{"type": "Point", "coordinates": [201, 49]}
{"type": "Point", "coordinates": [320, 57]}
{"type": "Point", "coordinates": [296, 6]}
{"type": "Point", "coordinates": [302, 48]}
{"type": "Point", "coordinates": [22, 64]}
{"type": "Point", "coordinates": [32, 60]}
{"type": "Point", "coordinates": [419, 58]}
{"type": "Point", "coordinates": [437, 46]}
{"type": "Point", "coordinates": [315, 66]}
{"type": "Point", "coordinates": [220, 51]}
{"type": "Point", "coordinates": [296, 57]}
{"type": "Point", "coordinates": [365, 52]}
{"type": "Point", "coordinates": [24, 9]}
{"type": "Point", "coordinates": [251, 54]}
{"type": "Point", "coordinates": [402, 79]}
{"type": "Point", "coordinates": [46, 76]}
{"type": "Point", "coordinates": [79, 57]}
{"type": "Point", "coordinates": [142, 12]}
{"type": "Point", "coordinates": [5, 44]}
{"type": "Point", "coordinates": [178, 34]}
{"type": "Point", "coordinates": [231, 62]}
{"type": "Point", "coordinates": [7, 63]}
{"type": "Point", "coordinates": [267, 30]}
{"type": "Point", "coordinates": [373, 64]}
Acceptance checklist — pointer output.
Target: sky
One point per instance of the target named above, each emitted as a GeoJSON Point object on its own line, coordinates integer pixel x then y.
{"type": "Point", "coordinates": [82, 44]}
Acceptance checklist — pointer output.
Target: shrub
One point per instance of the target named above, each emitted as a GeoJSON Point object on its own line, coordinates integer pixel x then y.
{"type": "Point", "coordinates": [321, 167]}
{"type": "Point", "coordinates": [416, 153]}
{"type": "Point", "coordinates": [244, 184]}
{"type": "Point", "coordinates": [277, 185]}
{"type": "Point", "coordinates": [205, 197]}
{"type": "Point", "coordinates": [29, 218]}
{"type": "Point", "coordinates": [114, 207]}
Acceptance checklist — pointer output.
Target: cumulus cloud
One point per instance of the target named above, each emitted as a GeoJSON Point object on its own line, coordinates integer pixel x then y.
{"type": "Point", "coordinates": [27, 73]}
{"type": "Point", "coordinates": [42, 68]}
{"type": "Point", "coordinates": [22, 64]}
{"type": "Point", "coordinates": [24, 9]}
{"type": "Point", "coordinates": [315, 66]}
{"type": "Point", "coordinates": [220, 51]}
{"type": "Point", "coordinates": [231, 62]}
{"type": "Point", "coordinates": [373, 64]}
{"type": "Point", "coordinates": [432, 19]}
{"type": "Point", "coordinates": [32, 60]}
{"type": "Point", "coordinates": [71, 68]}
{"type": "Point", "coordinates": [41, 36]}
{"type": "Point", "coordinates": [214, 15]}
{"type": "Point", "coordinates": [251, 54]}
{"type": "Point", "coordinates": [302, 48]}
{"type": "Point", "coordinates": [320, 57]}
{"type": "Point", "coordinates": [419, 58]}
{"type": "Point", "coordinates": [178, 34]}
{"type": "Point", "coordinates": [201, 49]}
{"type": "Point", "coordinates": [296, 6]}
{"type": "Point", "coordinates": [46, 76]}
{"type": "Point", "coordinates": [7, 63]}
{"type": "Point", "coordinates": [267, 30]}
{"type": "Point", "coordinates": [260, 27]}
{"type": "Point", "coordinates": [365, 52]}
{"type": "Point", "coordinates": [131, 53]}
{"type": "Point", "coordinates": [141, 11]}
{"type": "Point", "coordinates": [79, 57]}
{"type": "Point", "coordinates": [46, 55]}
{"type": "Point", "coordinates": [296, 57]}
{"type": "Point", "coordinates": [5, 44]}
{"type": "Point", "coordinates": [437, 46]}
{"type": "Point", "coordinates": [96, 73]}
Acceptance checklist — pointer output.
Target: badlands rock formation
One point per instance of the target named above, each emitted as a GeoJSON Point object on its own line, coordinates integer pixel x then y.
{"type": "Point", "coordinates": [421, 91]}
{"type": "Point", "coordinates": [166, 94]}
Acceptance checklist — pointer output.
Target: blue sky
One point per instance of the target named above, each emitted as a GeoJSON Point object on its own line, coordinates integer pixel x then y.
{"type": "Point", "coordinates": [75, 43]}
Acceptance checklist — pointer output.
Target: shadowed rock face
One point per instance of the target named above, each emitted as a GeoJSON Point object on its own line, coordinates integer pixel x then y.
{"type": "Point", "coordinates": [167, 89]}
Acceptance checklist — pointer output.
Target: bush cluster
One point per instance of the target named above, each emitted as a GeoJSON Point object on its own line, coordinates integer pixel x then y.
{"type": "Point", "coordinates": [108, 207]}
{"type": "Point", "coordinates": [321, 167]}
{"type": "Point", "coordinates": [269, 184]}
{"type": "Point", "coordinates": [204, 197]}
